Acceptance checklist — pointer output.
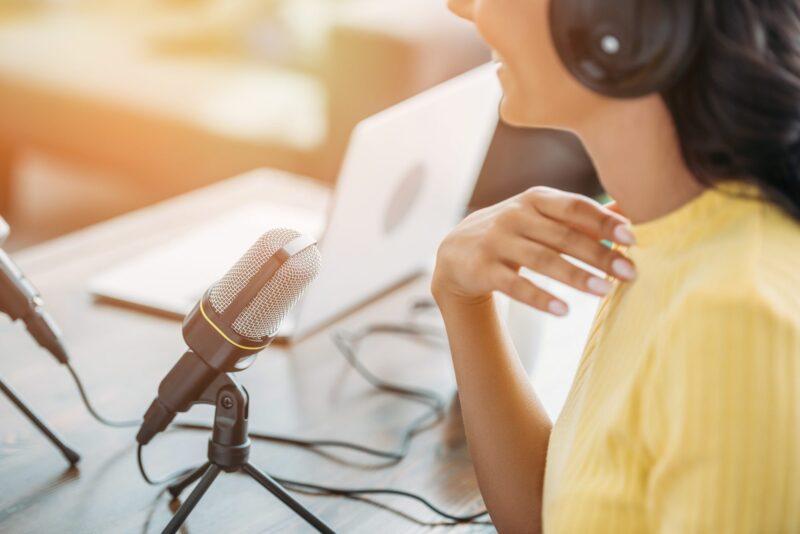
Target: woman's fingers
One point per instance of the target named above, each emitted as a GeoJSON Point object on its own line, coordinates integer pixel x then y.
{"type": "Point", "coordinates": [536, 230]}
{"type": "Point", "coordinates": [614, 207]}
{"type": "Point", "coordinates": [548, 262]}
{"type": "Point", "coordinates": [508, 281]}
{"type": "Point", "coordinates": [567, 240]}
{"type": "Point", "coordinates": [582, 213]}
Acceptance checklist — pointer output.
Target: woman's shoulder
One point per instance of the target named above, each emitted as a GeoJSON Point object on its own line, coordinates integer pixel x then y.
{"type": "Point", "coordinates": [729, 331]}
{"type": "Point", "coordinates": [738, 295]}
{"type": "Point", "coordinates": [751, 263]}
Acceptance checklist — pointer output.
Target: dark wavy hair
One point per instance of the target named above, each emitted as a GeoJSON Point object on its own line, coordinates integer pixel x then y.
{"type": "Point", "coordinates": [737, 108]}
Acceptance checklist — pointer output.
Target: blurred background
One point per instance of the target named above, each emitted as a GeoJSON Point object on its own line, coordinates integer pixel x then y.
{"type": "Point", "coordinates": [110, 105]}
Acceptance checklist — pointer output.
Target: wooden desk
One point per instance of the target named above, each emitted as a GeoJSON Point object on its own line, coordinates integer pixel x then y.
{"type": "Point", "coordinates": [306, 389]}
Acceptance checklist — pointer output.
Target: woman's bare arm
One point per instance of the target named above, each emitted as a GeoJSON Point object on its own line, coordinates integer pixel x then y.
{"type": "Point", "coordinates": [506, 425]}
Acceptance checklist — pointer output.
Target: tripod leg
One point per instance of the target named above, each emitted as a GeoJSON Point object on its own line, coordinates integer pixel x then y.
{"type": "Point", "coordinates": [191, 501]}
{"type": "Point", "coordinates": [176, 489]}
{"type": "Point", "coordinates": [276, 489]}
{"type": "Point", "coordinates": [71, 456]}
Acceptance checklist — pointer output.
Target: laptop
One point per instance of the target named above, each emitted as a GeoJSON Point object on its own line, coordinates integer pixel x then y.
{"type": "Point", "coordinates": [406, 180]}
{"type": "Point", "coordinates": [4, 230]}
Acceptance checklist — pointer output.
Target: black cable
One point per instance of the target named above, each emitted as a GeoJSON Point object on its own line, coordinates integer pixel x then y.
{"type": "Point", "coordinates": [360, 492]}
{"type": "Point", "coordinates": [100, 419]}
{"type": "Point", "coordinates": [348, 345]}
{"type": "Point", "coordinates": [303, 443]}
{"type": "Point", "coordinates": [169, 479]}
{"type": "Point", "coordinates": [413, 429]}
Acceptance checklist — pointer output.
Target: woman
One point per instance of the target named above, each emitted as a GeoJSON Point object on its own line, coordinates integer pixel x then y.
{"type": "Point", "coordinates": [685, 411]}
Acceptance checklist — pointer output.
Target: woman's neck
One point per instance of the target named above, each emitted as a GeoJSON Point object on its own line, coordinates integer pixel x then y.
{"type": "Point", "coordinates": [637, 155]}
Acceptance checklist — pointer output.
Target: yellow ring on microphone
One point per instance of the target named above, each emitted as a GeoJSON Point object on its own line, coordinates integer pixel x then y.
{"type": "Point", "coordinates": [225, 337]}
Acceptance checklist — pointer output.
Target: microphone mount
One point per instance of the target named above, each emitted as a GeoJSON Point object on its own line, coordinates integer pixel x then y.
{"type": "Point", "coordinates": [229, 452]}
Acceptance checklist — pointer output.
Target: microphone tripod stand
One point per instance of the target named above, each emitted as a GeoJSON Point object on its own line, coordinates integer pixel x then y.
{"type": "Point", "coordinates": [229, 451]}
{"type": "Point", "coordinates": [71, 456]}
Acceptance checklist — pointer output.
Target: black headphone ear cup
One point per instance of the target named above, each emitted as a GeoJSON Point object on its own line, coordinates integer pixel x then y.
{"type": "Point", "coordinates": [625, 48]}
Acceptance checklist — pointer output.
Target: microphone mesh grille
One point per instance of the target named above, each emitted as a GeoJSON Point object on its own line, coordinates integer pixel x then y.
{"type": "Point", "coordinates": [265, 313]}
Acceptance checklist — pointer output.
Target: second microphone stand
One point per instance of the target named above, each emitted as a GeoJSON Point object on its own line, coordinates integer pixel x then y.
{"type": "Point", "coordinates": [229, 451]}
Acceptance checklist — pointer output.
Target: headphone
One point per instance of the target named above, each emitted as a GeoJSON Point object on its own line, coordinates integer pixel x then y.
{"type": "Point", "coordinates": [625, 48]}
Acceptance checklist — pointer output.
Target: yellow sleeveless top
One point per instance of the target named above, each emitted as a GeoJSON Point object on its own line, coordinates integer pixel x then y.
{"type": "Point", "coordinates": [684, 415]}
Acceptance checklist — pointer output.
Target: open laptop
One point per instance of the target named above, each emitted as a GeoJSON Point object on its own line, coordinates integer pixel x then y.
{"type": "Point", "coordinates": [4, 230]}
{"type": "Point", "coordinates": [405, 182]}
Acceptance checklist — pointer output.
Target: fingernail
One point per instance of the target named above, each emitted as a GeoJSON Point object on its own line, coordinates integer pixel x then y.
{"type": "Point", "coordinates": [599, 286]}
{"type": "Point", "coordinates": [558, 308]}
{"type": "Point", "coordinates": [624, 269]}
{"type": "Point", "coordinates": [623, 235]}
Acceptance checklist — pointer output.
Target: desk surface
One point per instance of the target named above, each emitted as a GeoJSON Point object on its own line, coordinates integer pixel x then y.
{"type": "Point", "coordinates": [305, 389]}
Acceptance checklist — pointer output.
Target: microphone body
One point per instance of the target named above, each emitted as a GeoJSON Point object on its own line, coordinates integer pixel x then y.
{"type": "Point", "coordinates": [209, 355]}
{"type": "Point", "coordinates": [236, 319]}
{"type": "Point", "coordinates": [21, 301]}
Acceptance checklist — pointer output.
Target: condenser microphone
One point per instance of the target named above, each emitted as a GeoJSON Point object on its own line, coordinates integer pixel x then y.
{"type": "Point", "coordinates": [21, 301]}
{"type": "Point", "coordinates": [237, 318]}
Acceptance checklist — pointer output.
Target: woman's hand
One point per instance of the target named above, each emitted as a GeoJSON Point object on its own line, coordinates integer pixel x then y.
{"type": "Point", "coordinates": [533, 230]}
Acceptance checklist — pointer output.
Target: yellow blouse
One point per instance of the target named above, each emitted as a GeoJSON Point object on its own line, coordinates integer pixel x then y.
{"type": "Point", "coordinates": [684, 415]}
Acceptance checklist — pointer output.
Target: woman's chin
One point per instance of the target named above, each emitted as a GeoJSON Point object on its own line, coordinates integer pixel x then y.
{"type": "Point", "coordinates": [515, 115]}
{"type": "Point", "coordinates": [524, 114]}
